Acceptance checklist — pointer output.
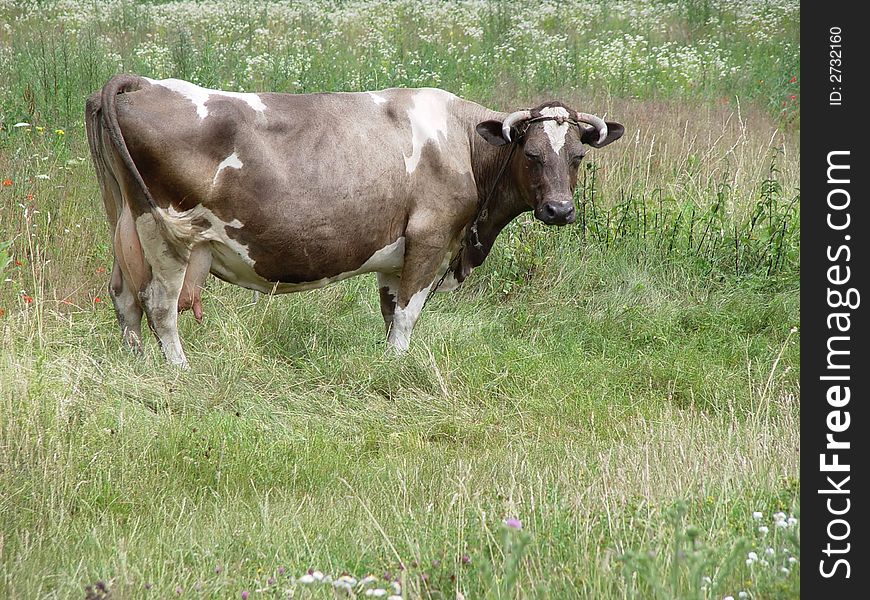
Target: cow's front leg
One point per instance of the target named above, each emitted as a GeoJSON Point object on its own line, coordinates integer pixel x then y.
{"type": "Point", "coordinates": [422, 261]}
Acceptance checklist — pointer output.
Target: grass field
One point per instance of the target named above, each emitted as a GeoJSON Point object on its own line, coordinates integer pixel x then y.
{"type": "Point", "coordinates": [596, 413]}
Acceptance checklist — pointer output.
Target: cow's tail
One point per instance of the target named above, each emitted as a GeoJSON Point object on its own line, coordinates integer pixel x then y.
{"type": "Point", "coordinates": [177, 225]}
{"type": "Point", "coordinates": [120, 84]}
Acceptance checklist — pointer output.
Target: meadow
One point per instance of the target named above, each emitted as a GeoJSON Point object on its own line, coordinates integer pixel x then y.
{"type": "Point", "coordinates": [606, 410]}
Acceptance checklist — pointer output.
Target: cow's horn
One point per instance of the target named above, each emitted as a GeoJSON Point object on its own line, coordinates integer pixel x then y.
{"type": "Point", "coordinates": [597, 122]}
{"type": "Point", "coordinates": [511, 120]}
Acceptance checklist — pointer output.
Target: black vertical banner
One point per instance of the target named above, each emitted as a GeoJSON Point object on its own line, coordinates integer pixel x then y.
{"type": "Point", "coordinates": [835, 421]}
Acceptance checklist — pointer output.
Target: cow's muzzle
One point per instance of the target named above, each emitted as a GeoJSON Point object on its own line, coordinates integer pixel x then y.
{"type": "Point", "coordinates": [556, 212]}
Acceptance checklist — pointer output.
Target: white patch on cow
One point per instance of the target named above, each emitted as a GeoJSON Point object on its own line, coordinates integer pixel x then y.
{"type": "Point", "coordinates": [404, 320]}
{"type": "Point", "coordinates": [428, 123]}
{"type": "Point", "coordinates": [230, 162]}
{"type": "Point", "coordinates": [377, 98]}
{"type": "Point", "coordinates": [555, 132]}
{"type": "Point", "coordinates": [390, 258]}
{"type": "Point", "coordinates": [200, 95]}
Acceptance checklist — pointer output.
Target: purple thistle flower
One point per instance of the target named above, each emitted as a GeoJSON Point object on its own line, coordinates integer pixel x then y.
{"type": "Point", "coordinates": [466, 560]}
{"type": "Point", "coordinates": [244, 594]}
{"type": "Point", "coordinates": [270, 581]}
{"type": "Point", "coordinates": [513, 523]}
{"type": "Point", "coordinates": [281, 570]}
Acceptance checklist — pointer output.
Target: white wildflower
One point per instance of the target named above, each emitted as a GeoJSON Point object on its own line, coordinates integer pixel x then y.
{"type": "Point", "coordinates": [770, 552]}
{"type": "Point", "coordinates": [306, 579]}
{"type": "Point", "coordinates": [757, 515]}
{"type": "Point", "coordinates": [752, 556]}
{"type": "Point", "coordinates": [742, 595]}
{"type": "Point", "coordinates": [763, 530]}
{"type": "Point", "coordinates": [22, 124]}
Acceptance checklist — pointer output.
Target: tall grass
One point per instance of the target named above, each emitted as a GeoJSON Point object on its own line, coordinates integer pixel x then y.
{"type": "Point", "coordinates": [626, 387]}
{"type": "Point", "coordinates": [55, 53]}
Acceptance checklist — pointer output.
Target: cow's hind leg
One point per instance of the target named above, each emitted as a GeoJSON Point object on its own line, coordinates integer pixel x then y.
{"type": "Point", "coordinates": [129, 274]}
{"type": "Point", "coordinates": [127, 308]}
{"type": "Point", "coordinates": [160, 295]}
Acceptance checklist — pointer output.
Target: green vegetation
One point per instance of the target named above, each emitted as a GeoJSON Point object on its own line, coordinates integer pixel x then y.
{"type": "Point", "coordinates": [626, 387]}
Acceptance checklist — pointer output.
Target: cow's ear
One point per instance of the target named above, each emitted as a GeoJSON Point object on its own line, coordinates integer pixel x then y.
{"type": "Point", "coordinates": [614, 132]}
{"type": "Point", "coordinates": [491, 132]}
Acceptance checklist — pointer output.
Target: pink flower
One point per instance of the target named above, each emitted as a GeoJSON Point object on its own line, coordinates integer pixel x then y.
{"type": "Point", "coordinates": [513, 523]}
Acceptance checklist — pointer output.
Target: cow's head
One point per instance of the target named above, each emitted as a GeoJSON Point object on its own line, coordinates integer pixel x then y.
{"type": "Point", "coordinates": [551, 140]}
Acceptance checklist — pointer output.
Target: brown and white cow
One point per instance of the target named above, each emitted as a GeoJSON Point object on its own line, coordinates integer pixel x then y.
{"type": "Point", "coordinates": [288, 192]}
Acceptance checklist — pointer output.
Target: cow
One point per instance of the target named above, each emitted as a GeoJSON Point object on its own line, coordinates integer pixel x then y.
{"type": "Point", "coordinates": [288, 192]}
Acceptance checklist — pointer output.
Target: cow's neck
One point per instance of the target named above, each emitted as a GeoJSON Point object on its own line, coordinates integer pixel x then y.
{"type": "Point", "coordinates": [504, 202]}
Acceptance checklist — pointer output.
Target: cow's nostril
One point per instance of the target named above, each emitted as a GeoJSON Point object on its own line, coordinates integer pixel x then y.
{"type": "Point", "coordinates": [550, 211]}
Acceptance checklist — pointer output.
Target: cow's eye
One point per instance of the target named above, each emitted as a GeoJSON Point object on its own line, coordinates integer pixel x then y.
{"type": "Point", "coordinates": [533, 156]}
{"type": "Point", "coordinates": [575, 160]}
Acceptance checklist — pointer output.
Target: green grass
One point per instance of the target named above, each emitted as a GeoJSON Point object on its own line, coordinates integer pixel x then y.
{"type": "Point", "coordinates": [628, 387]}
